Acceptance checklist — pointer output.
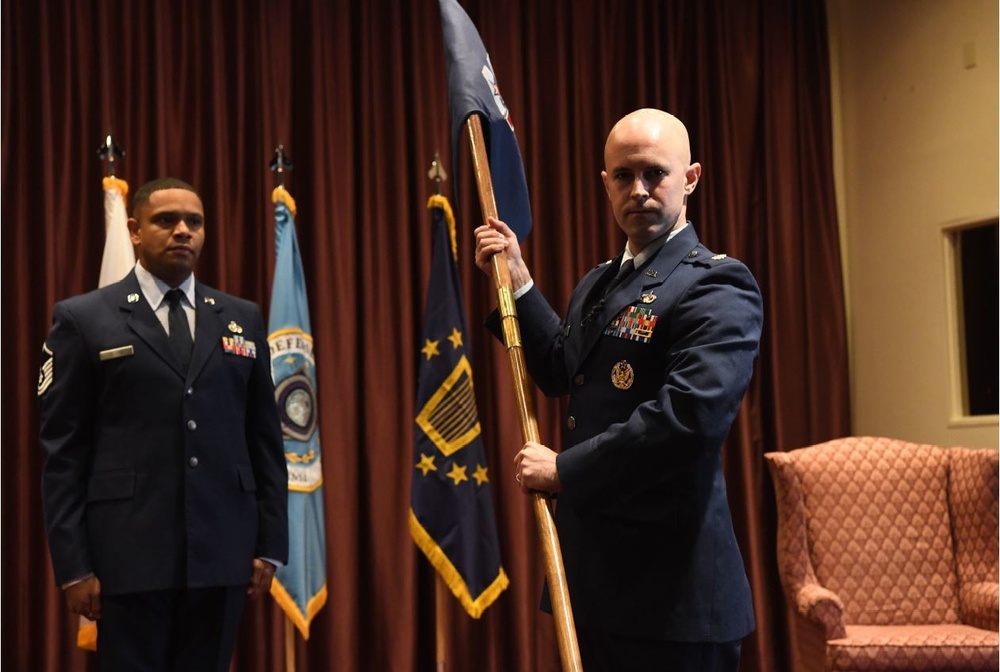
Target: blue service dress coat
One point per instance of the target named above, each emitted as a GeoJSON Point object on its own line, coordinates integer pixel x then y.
{"type": "Point", "coordinates": [654, 376]}
{"type": "Point", "coordinates": [157, 478]}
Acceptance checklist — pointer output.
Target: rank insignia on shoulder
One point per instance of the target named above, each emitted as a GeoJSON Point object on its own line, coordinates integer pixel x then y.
{"type": "Point", "coordinates": [46, 374]}
{"type": "Point", "coordinates": [622, 375]}
{"type": "Point", "coordinates": [235, 328]}
{"type": "Point", "coordinates": [719, 257]}
{"type": "Point", "coordinates": [132, 298]}
{"type": "Point", "coordinates": [237, 345]}
{"type": "Point", "coordinates": [209, 300]}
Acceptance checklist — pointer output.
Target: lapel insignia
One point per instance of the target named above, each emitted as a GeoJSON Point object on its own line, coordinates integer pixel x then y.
{"type": "Point", "coordinates": [635, 323]}
{"type": "Point", "coordinates": [237, 345]}
{"type": "Point", "coordinates": [622, 375]}
{"type": "Point", "coordinates": [648, 297]}
{"type": "Point", "coordinates": [651, 273]}
{"type": "Point", "coordinates": [235, 328]}
{"type": "Point", "coordinates": [132, 298]}
{"type": "Point", "coordinates": [719, 257]}
{"type": "Point", "coordinates": [693, 253]}
{"type": "Point", "coordinates": [209, 300]}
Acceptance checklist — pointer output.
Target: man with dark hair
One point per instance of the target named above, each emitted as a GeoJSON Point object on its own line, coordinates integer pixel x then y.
{"type": "Point", "coordinates": [165, 485]}
{"type": "Point", "coordinates": [655, 353]}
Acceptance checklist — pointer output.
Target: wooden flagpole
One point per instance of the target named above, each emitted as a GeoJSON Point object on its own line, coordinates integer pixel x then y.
{"type": "Point", "coordinates": [440, 597]}
{"type": "Point", "coordinates": [569, 652]}
{"type": "Point", "coordinates": [279, 164]}
{"type": "Point", "coordinates": [289, 645]}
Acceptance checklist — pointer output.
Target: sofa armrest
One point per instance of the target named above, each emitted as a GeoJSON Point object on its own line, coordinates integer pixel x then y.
{"type": "Point", "coordinates": [822, 607]}
{"type": "Point", "coordinates": [980, 603]}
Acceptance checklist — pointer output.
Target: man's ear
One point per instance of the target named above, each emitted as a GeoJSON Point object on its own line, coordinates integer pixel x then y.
{"type": "Point", "coordinates": [691, 177]}
{"type": "Point", "coordinates": [133, 230]}
{"type": "Point", "coordinates": [604, 179]}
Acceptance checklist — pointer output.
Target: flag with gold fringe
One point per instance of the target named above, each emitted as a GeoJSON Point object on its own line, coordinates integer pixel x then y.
{"type": "Point", "coordinates": [119, 256]}
{"type": "Point", "coordinates": [451, 505]}
{"type": "Point", "coordinates": [300, 586]}
{"type": "Point", "coordinates": [117, 261]}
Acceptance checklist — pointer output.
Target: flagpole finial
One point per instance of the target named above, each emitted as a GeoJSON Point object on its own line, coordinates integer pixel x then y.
{"type": "Point", "coordinates": [108, 150]}
{"type": "Point", "coordinates": [280, 163]}
{"type": "Point", "coordinates": [437, 172]}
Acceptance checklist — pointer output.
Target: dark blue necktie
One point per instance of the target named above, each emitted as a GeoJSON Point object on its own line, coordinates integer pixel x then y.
{"type": "Point", "coordinates": [180, 330]}
{"type": "Point", "coordinates": [595, 306]}
{"type": "Point", "coordinates": [623, 273]}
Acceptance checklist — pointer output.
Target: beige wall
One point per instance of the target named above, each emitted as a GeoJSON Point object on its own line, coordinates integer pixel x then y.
{"type": "Point", "coordinates": [917, 150]}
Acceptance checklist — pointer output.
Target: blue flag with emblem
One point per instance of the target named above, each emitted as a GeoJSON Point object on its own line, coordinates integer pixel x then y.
{"type": "Point", "coordinates": [473, 89]}
{"type": "Point", "coordinates": [451, 505]}
{"type": "Point", "coordinates": [300, 586]}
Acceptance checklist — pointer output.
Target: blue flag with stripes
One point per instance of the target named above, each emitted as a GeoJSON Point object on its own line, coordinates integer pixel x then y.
{"type": "Point", "coordinates": [451, 505]}
{"type": "Point", "coordinates": [300, 586]}
{"type": "Point", "coordinates": [473, 89]}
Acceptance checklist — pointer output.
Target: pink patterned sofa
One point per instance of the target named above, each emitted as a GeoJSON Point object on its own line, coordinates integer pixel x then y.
{"type": "Point", "coordinates": [888, 552]}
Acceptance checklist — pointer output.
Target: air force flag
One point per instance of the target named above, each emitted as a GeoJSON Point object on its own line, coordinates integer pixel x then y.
{"type": "Point", "coordinates": [300, 586]}
{"type": "Point", "coordinates": [473, 89]}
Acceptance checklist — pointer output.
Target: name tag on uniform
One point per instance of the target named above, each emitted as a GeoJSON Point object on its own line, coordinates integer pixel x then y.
{"type": "Point", "coordinates": [115, 353]}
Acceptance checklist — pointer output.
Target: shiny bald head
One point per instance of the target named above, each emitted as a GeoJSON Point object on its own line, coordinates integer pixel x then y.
{"type": "Point", "coordinates": [654, 125]}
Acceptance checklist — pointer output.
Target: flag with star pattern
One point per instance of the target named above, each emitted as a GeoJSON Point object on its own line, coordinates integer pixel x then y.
{"type": "Point", "coordinates": [451, 506]}
{"type": "Point", "coordinates": [299, 587]}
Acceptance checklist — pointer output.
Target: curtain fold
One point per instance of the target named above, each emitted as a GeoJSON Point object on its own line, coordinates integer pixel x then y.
{"type": "Point", "coordinates": [356, 92]}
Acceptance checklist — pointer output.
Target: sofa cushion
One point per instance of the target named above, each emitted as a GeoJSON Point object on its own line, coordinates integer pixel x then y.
{"type": "Point", "coordinates": [899, 648]}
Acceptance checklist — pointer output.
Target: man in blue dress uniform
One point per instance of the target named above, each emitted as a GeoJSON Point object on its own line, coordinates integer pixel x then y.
{"type": "Point", "coordinates": [165, 486]}
{"type": "Point", "coordinates": [655, 352]}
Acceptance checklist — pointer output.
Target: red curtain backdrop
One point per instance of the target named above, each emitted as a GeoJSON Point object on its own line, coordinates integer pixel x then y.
{"type": "Point", "coordinates": [356, 92]}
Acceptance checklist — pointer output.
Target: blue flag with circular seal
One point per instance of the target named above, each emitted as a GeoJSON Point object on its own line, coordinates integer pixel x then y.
{"type": "Point", "coordinates": [300, 586]}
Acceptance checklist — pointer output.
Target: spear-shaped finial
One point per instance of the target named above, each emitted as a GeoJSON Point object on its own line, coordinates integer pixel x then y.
{"type": "Point", "coordinates": [280, 163]}
{"type": "Point", "coordinates": [437, 173]}
{"type": "Point", "coordinates": [108, 151]}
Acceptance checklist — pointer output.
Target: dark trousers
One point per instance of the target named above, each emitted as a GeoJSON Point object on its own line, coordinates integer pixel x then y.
{"type": "Point", "coordinates": [191, 630]}
{"type": "Point", "coordinates": [604, 652]}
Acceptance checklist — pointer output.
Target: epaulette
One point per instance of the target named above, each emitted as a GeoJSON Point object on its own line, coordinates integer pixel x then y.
{"type": "Point", "coordinates": [701, 257]}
